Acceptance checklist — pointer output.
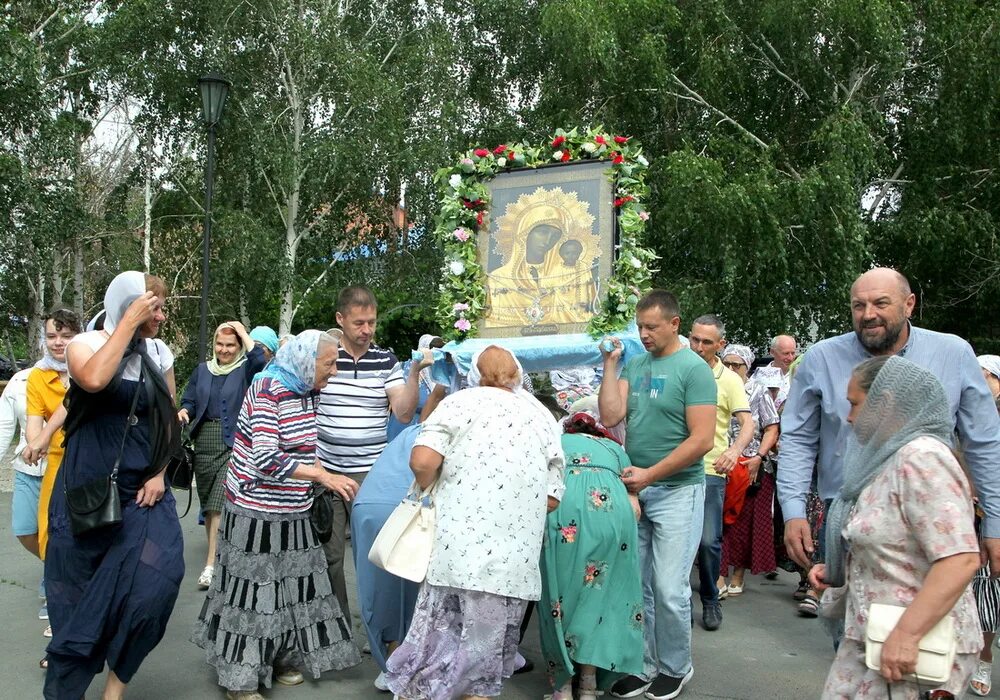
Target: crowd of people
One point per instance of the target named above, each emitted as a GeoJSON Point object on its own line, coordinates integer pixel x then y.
{"type": "Point", "coordinates": [867, 464]}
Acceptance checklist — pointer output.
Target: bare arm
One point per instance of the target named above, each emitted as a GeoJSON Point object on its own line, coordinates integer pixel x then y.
{"type": "Point", "coordinates": [727, 460]}
{"type": "Point", "coordinates": [39, 434]}
{"type": "Point", "coordinates": [436, 397]}
{"type": "Point", "coordinates": [425, 464]}
{"type": "Point", "coordinates": [943, 586]}
{"type": "Point", "coordinates": [701, 432]}
{"type": "Point", "coordinates": [403, 400]}
{"type": "Point", "coordinates": [612, 397]}
{"type": "Point", "coordinates": [92, 371]}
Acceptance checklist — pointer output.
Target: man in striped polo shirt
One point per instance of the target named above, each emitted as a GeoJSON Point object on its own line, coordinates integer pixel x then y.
{"type": "Point", "coordinates": [354, 410]}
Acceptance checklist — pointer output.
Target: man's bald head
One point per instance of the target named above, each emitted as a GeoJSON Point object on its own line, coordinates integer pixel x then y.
{"type": "Point", "coordinates": [783, 351]}
{"type": "Point", "coordinates": [881, 304]}
{"type": "Point", "coordinates": [883, 277]}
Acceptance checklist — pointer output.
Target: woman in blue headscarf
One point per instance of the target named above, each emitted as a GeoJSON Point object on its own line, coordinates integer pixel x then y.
{"type": "Point", "coordinates": [271, 609]}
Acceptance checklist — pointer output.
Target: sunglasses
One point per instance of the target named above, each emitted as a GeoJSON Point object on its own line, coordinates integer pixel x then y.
{"type": "Point", "coordinates": [733, 365]}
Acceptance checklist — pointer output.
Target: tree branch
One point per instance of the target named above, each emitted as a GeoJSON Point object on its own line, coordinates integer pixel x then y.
{"type": "Point", "coordinates": [873, 209]}
{"type": "Point", "coordinates": [695, 97]}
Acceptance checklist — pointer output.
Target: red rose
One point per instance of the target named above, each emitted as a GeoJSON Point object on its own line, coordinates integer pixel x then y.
{"type": "Point", "coordinates": [482, 152]}
{"type": "Point", "coordinates": [479, 218]}
{"type": "Point", "coordinates": [565, 156]}
{"type": "Point", "coordinates": [500, 149]}
{"type": "Point", "coordinates": [471, 205]}
{"type": "Point", "coordinates": [621, 139]}
{"type": "Point", "coordinates": [622, 200]}
{"type": "Point", "coordinates": [600, 140]}
{"type": "Point", "coordinates": [617, 158]}
{"type": "Point", "coordinates": [558, 141]}
{"type": "Point", "coordinates": [510, 155]}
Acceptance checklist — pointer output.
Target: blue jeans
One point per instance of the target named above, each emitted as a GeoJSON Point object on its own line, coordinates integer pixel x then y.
{"type": "Point", "coordinates": [669, 531]}
{"type": "Point", "coordinates": [710, 549]}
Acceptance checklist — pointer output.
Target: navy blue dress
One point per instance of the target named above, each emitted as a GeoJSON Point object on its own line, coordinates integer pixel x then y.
{"type": "Point", "coordinates": [110, 592]}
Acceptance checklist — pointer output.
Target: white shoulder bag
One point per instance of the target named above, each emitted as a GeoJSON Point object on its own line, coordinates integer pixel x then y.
{"type": "Point", "coordinates": [936, 650]}
{"type": "Point", "coordinates": [403, 546]}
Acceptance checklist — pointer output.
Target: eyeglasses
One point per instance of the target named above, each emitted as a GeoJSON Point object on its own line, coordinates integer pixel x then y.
{"type": "Point", "coordinates": [733, 365]}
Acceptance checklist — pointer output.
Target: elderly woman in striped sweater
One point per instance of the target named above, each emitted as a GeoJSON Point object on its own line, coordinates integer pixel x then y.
{"type": "Point", "coordinates": [271, 608]}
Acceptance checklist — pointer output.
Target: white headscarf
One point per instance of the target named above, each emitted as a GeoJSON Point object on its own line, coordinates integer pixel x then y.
{"type": "Point", "coordinates": [47, 361]}
{"type": "Point", "coordinates": [991, 363]}
{"type": "Point", "coordinates": [123, 290]}
{"type": "Point", "coordinates": [425, 374]}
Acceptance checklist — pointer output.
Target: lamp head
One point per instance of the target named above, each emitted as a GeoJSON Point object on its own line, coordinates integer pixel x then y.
{"type": "Point", "coordinates": [214, 91]}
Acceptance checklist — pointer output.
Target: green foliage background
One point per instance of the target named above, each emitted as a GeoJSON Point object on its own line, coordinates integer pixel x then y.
{"type": "Point", "coordinates": [793, 143]}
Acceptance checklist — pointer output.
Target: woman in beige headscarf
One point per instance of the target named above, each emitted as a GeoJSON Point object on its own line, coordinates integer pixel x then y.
{"type": "Point", "coordinates": [209, 407]}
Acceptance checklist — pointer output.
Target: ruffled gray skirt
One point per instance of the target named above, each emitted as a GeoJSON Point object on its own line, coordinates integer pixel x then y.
{"type": "Point", "coordinates": [271, 604]}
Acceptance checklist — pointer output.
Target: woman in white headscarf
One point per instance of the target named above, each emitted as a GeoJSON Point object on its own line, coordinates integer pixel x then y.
{"type": "Point", "coordinates": [271, 610]}
{"type": "Point", "coordinates": [209, 408]}
{"type": "Point", "coordinates": [111, 590]}
{"type": "Point", "coordinates": [495, 453]}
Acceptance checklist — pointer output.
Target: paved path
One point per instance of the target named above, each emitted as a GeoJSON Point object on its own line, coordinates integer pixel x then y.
{"type": "Point", "coordinates": [763, 651]}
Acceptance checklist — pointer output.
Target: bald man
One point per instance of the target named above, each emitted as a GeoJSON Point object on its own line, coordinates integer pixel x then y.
{"type": "Point", "coordinates": [814, 426]}
{"type": "Point", "coordinates": [784, 350]}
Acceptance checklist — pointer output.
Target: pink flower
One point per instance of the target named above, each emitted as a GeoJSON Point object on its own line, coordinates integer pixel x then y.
{"type": "Point", "coordinates": [460, 307]}
{"type": "Point", "coordinates": [461, 234]}
{"type": "Point", "coordinates": [463, 325]}
{"type": "Point", "coordinates": [644, 215]}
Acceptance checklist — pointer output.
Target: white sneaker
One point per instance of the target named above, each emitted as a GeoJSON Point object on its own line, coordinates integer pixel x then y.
{"type": "Point", "coordinates": [205, 580]}
{"type": "Point", "coordinates": [380, 683]}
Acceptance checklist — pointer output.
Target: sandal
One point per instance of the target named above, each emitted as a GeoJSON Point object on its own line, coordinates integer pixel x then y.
{"type": "Point", "coordinates": [809, 607]}
{"type": "Point", "coordinates": [981, 681]}
{"type": "Point", "coordinates": [44, 663]}
{"type": "Point", "coordinates": [47, 632]}
{"type": "Point", "coordinates": [802, 591]}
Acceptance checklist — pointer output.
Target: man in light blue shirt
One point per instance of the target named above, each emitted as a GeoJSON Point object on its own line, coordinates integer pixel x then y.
{"type": "Point", "coordinates": [814, 426]}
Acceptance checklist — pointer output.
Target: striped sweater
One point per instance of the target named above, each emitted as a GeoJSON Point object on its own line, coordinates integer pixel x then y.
{"type": "Point", "coordinates": [275, 433]}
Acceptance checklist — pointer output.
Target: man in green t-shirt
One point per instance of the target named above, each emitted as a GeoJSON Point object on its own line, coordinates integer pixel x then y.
{"type": "Point", "coordinates": [667, 396]}
{"type": "Point", "coordinates": [707, 338]}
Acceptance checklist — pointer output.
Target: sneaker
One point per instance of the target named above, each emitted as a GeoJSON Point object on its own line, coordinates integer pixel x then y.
{"type": "Point", "coordinates": [205, 580]}
{"type": "Point", "coordinates": [802, 591]}
{"type": "Point", "coordinates": [667, 687]}
{"type": "Point", "coordinates": [711, 618]}
{"type": "Point", "coordinates": [629, 687]}
{"type": "Point", "coordinates": [380, 683]}
{"type": "Point", "coordinates": [809, 607]}
{"type": "Point", "coordinates": [43, 613]}
{"type": "Point", "coordinates": [771, 575]}
{"type": "Point", "coordinates": [47, 632]}
{"type": "Point", "coordinates": [289, 676]}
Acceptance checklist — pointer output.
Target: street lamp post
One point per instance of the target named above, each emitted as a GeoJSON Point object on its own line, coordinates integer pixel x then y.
{"type": "Point", "coordinates": [214, 90]}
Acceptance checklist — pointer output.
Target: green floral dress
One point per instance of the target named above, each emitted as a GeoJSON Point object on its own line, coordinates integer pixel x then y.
{"type": "Point", "coordinates": [591, 606]}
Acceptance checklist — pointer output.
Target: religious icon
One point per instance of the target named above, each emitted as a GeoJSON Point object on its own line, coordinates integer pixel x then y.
{"type": "Point", "coordinates": [547, 252]}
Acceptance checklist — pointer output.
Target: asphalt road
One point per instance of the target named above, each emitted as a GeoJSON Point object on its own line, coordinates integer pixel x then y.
{"type": "Point", "coordinates": [763, 650]}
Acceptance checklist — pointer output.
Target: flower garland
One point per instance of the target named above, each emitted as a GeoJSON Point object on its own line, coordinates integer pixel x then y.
{"type": "Point", "coordinates": [465, 202]}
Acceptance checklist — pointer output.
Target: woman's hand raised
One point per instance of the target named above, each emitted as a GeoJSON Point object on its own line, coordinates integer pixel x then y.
{"type": "Point", "coordinates": [141, 310]}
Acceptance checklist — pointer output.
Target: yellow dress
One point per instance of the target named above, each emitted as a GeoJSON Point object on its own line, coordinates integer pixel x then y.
{"type": "Point", "coordinates": [45, 395]}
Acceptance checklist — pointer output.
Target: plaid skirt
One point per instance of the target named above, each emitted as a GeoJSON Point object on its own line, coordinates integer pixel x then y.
{"type": "Point", "coordinates": [211, 459]}
{"type": "Point", "coordinates": [271, 605]}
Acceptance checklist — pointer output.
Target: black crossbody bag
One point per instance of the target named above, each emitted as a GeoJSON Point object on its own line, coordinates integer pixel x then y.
{"type": "Point", "coordinates": [97, 504]}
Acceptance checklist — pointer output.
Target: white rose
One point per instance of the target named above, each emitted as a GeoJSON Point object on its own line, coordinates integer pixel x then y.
{"type": "Point", "coordinates": [557, 155]}
{"type": "Point", "coordinates": [455, 181]}
{"type": "Point", "coordinates": [457, 267]}
{"type": "Point", "coordinates": [636, 263]}
{"type": "Point", "coordinates": [590, 147]}
{"type": "Point", "coordinates": [642, 161]}
{"type": "Point", "coordinates": [501, 162]}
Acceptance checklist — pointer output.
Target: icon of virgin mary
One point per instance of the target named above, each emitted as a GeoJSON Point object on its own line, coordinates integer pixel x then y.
{"type": "Point", "coordinates": [549, 250]}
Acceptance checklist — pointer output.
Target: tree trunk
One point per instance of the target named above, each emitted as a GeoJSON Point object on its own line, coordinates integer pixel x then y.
{"type": "Point", "coordinates": [79, 276]}
{"type": "Point", "coordinates": [37, 295]}
{"type": "Point", "coordinates": [292, 235]}
{"type": "Point", "coordinates": [147, 220]}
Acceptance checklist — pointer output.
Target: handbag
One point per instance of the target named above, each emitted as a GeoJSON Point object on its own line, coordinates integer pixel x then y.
{"type": "Point", "coordinates": [180, 468]}
{"type": "Point", "coordinates": [936, 649]}
{"type": "Point", "coordinates": [403, 545]}
{"type": "Point", "coordinates": [321, 514]}
{"type": "Point", "coordinates": [97, 504]}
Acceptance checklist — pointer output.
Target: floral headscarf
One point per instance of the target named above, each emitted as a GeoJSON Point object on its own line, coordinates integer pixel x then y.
{"type": "Point", "coordinates": [741, 351]}
{"type": "Point", "coordinates": [295, 363]}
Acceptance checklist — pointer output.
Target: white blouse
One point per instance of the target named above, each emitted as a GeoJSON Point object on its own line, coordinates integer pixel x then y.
{"type": "Point", "coordinates": [157, 350]}
{"type": "Point", "coordinates": [502, 457]}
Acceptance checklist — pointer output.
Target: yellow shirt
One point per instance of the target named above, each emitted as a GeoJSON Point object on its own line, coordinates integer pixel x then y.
{"type": "Point", "coordinates": [732, 398]}
{"type": "Point", "coordinates": [45, 395]}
